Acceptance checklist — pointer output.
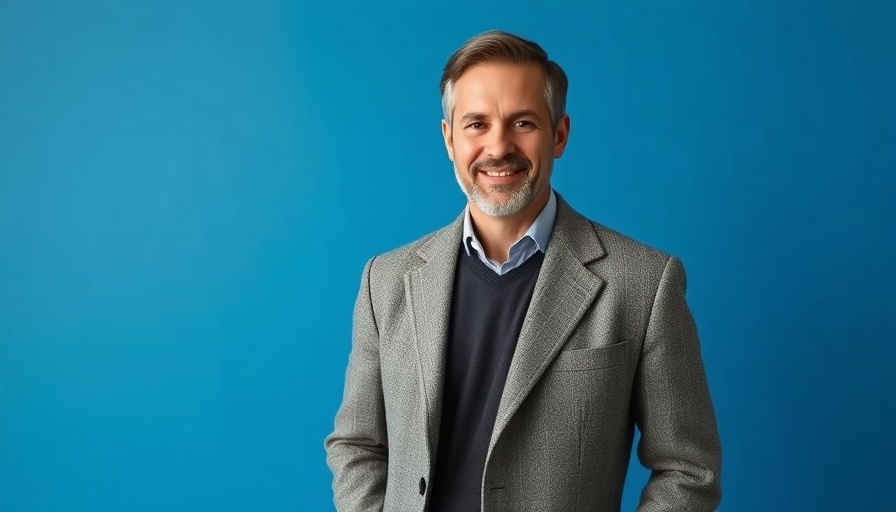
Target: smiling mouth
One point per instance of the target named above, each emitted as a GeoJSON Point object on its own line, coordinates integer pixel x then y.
{"type": "Point", "coordinates": [500, 173]}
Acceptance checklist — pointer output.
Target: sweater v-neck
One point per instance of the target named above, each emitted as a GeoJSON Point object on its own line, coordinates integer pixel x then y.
{"type": "Point", "coordinates": [495, 280]}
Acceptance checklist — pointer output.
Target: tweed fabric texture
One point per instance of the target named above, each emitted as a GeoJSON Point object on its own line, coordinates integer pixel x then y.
{"type": "Point", "coordinates": [608, 345]}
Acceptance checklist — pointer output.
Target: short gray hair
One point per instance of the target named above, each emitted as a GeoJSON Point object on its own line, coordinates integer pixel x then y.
{"type": "Point", "coordinates": [498, 46]}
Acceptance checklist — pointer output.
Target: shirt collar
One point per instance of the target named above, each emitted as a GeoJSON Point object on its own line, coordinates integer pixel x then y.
{"type": "Point", "coordinates": [540, 231]}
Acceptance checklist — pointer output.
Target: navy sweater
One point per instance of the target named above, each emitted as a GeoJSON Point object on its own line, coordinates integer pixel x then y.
{"type": "Point", "coordinates": [487, 312]}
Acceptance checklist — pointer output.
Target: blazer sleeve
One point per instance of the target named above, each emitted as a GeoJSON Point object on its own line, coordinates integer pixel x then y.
{"type": "Point", "coordinates": [679, 439]}
{"type": "Point", "coordinates": [357, 449]}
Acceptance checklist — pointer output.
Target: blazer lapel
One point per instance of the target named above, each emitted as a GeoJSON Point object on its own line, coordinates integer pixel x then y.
{"type": "Point", "coordinates": [564, 291]}
{"type": "Point", "coordinates": [428, 288]}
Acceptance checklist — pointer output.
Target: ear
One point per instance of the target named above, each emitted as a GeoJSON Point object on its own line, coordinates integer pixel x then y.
{"type": "Point", "coordinates": [561, 136]}
{"type": "Point", "coordinates": [449, 143]}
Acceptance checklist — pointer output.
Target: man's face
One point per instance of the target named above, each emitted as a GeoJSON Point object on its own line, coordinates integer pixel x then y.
{"type": "Point", "coordinates": [501, 139]}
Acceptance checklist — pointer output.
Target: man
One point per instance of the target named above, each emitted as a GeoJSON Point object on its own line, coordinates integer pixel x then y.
{"type": "Point", "coordinates": [503, 362]}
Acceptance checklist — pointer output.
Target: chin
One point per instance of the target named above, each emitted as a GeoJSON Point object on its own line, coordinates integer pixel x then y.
{"type": "Point", "coordinates": [508, 207]}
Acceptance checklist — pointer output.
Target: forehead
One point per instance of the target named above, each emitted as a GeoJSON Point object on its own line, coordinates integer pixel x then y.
{"type": "Point", "coordinates": [500, 85]}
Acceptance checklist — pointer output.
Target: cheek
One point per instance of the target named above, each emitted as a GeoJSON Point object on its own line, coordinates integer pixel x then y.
{"type": "Point", "coordinates": [464, 155]}
{"type": "Point", "coordinates": [543, 154]}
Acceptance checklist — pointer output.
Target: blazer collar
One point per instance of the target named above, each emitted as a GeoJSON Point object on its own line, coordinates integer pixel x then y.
{"type": "Point", "coordinates": [428, 290]}
{"type": "Point", "coordinates": [565, 289]}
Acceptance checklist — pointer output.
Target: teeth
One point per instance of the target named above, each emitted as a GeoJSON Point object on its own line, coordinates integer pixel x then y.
{"type": "Point", "coordinates": [496, 174]}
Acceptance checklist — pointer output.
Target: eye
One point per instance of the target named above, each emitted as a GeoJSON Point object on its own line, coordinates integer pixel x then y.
{"type": "Point", "coordinates": [476, 125]}
{"type": "Point", "coordinates": [525, 124]}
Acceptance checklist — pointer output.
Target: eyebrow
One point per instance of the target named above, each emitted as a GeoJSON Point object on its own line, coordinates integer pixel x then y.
{"type": "Point", "coordinates": [524, 113]}
{"type": "Point", "coordinates": [478, 116]}
{"type": "Point", "coordinates": [472, 116]}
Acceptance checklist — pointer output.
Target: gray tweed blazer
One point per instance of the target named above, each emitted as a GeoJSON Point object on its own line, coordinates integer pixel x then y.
{"type": "Point", "coordinates": [608, 344]}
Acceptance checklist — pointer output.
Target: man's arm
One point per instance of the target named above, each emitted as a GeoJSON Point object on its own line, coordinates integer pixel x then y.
{"type": "Point", "coordinates": [357, 450]}
{"type": "Point", "coordinates": [679, 441]}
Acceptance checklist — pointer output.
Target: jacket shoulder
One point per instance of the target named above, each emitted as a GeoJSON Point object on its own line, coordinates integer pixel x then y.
{"type": "Point", "coordinates": [399, 261]}
{"type": "Point", "coordinates": [616, 250]}
{"type": "Point", "coordinates": [619, 245]}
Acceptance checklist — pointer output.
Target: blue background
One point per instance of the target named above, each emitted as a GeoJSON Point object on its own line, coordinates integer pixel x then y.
{"type": "Point", "coordinates": [189, 190]}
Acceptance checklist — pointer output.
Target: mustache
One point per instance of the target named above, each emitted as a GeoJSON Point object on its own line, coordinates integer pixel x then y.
{"type": "Point", "coordinates": [512, 161]}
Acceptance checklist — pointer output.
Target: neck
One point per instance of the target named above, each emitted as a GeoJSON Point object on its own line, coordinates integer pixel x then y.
{"type": "Point", "coordinates": [498, 234]}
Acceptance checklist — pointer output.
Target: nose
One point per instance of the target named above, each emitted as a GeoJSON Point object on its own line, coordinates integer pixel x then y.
{"type": "Point", "coordinates": [500, 142]}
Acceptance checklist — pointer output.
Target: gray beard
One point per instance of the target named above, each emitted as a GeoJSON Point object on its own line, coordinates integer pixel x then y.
{"type": "Point", "coordinates": [518, 200]}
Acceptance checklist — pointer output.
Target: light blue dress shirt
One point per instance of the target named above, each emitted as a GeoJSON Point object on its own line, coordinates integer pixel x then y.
{"type": "Point", "coordinates": [535, 239]}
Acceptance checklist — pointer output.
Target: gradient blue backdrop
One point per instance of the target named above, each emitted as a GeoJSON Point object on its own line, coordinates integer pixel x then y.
{"type": "Point", "coordinates": [189, 190]}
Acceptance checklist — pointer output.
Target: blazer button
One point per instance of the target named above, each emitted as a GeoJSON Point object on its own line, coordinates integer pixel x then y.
{"type": "Point", "coordinates": [422, 486]}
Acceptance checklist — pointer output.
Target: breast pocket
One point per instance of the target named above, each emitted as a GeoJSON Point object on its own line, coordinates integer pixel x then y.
{"type": "Point", "coordinates": [584, 359]}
